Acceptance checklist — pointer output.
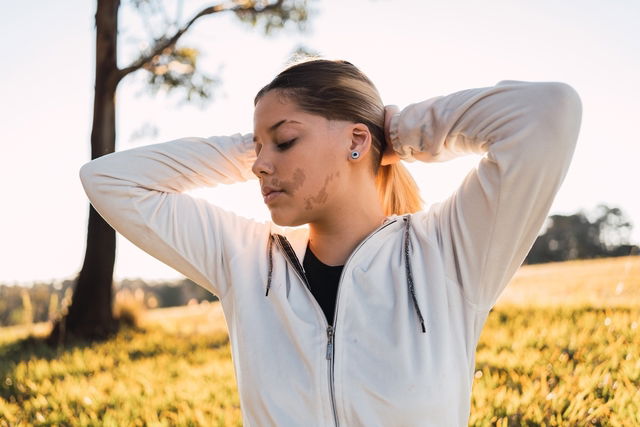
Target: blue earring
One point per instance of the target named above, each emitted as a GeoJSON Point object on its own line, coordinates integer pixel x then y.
{"type": "Point", "coordinates": [355, 155]}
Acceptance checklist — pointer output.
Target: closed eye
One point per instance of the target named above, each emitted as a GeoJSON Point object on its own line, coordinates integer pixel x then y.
{"type": "Point", "coordinates": [285, 145]}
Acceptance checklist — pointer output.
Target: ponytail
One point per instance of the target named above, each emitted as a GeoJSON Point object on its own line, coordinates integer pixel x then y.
{"type": "Point", "coordinates": [397, 189]}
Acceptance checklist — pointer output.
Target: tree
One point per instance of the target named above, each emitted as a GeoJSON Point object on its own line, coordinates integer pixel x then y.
{"type": "Point", "coordinates": [604, 232]}
{"type": "Point", "coordinates": [169, 67]}
{"type": "Point", "coordinates": [614, 227]}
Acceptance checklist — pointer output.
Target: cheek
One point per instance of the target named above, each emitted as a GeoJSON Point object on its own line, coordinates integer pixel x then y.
{"type": "Point", "coordinates": [292, 184]}
{"type": "Point", "coordinates": [297, 180]}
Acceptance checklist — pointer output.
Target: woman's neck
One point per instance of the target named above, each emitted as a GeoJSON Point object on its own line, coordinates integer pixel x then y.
{"type": "Point", "coordinates": [335, 238]}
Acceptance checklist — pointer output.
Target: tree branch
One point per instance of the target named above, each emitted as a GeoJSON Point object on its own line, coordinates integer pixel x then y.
{"type": "Point", "coordinates": [164, 43]}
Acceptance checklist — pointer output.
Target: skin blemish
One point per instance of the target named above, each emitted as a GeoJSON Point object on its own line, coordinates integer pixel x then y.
{"type": "Point", "coordinates": [321, 197]}
{"type": "Point", "coordinates": [293, 184]}
{"type": "Point", "coordinates": [298, 179]}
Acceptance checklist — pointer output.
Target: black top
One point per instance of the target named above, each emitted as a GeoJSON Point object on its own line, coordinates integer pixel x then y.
{"type": "Point", "coordinates": [323, 280]}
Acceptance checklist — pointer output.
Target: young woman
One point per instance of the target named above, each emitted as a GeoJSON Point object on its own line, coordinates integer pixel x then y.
{"type": "Point", "coordinates": [369, 316]}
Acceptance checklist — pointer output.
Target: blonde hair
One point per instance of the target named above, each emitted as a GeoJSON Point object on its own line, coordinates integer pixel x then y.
{"type": "Point", "coordinates": [337, 90]}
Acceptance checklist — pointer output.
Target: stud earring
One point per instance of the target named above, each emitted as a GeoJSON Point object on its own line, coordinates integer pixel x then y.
{"type": "Point", "coordinates": [355, 155]}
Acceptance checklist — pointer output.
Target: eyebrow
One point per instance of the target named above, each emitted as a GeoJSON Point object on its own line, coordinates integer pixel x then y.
{"type": "Point", "coordinates": [275, 126]}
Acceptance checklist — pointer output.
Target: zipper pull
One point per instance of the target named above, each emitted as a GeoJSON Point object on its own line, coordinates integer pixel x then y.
{"type": "Point", "coordinates": [329, 342]}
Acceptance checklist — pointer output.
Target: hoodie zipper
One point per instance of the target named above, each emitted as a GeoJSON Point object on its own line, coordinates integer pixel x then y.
{"type": "Point", "coordinates": [332, 393]}
{"type": "Point", "coordinates": [331, 329]}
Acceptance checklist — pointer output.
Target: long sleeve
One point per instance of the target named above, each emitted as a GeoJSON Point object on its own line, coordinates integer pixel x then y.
{"type": "Point", "coordinates": [140, 193]}
{"type": "Point", "coordinates": [527, 132]}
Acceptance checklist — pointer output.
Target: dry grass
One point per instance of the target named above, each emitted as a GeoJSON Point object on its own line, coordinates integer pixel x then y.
{"type": "Point", "coordinates": [560, 348]}
{"type": "Point", "coordinates": [599, 283]}
{"type": "Point", "coordinates": [203, 318]}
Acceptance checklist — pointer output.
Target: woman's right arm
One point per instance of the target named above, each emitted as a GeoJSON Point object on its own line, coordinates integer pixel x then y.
{"type": "Point", "coordinates": [140, 193]}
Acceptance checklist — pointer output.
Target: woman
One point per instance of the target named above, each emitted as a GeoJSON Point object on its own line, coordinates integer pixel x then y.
{"type": "Point", "coordinates": [370, 315]}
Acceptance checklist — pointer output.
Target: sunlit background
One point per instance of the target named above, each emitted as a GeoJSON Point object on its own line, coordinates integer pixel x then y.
{"type": "Point", "coordinates": [412, 50]}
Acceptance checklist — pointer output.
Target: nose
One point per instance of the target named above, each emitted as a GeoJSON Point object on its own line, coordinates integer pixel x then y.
{"type": "Point", "coordinates": [262, 166]}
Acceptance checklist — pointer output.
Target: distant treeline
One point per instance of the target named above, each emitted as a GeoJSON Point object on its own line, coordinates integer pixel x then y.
{"type": "Point", "coordinates": [603, 232]}
{"type": "Point", "coordinates": [44, 301]}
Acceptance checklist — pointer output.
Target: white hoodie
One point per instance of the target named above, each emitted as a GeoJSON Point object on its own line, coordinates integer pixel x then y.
{"type": "Point", "coordinates": [443, 268]}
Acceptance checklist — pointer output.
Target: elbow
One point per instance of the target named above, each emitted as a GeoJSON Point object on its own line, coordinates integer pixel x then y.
{"type": "Point", "coordinates": [560, 110]}
{"type": "Point", "coordinates": [550, 114]}
{"type": "Point", "coordinates": [546, 119]}
{"type": "Point", "coordinates": [568, 104]}
{"type": "Point", "coordinates": [85, 173]}
{"type": "Point", "coordinates": [89, 177]}
{"type": "Point", "coordinates": [559, 115]}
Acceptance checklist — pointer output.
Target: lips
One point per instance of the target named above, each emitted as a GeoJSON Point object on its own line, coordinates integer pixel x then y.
{"type": "Point", "coordinates": [269, 193]}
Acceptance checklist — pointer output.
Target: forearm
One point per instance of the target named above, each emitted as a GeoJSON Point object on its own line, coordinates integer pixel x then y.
{"type": "Point", "coordinates": [531, 114]}
{"type": "Point", "coordinates": [174, 166]}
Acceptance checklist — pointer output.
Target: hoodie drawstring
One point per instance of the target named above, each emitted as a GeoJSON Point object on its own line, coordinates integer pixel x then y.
{"type": "Point", "coordinates": [270, 252]}
{"type": "Point", "coordinates": [407, 261]}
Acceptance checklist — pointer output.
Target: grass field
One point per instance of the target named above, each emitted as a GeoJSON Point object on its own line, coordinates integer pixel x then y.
{"type": "Point", "coordinates": [561, 347]}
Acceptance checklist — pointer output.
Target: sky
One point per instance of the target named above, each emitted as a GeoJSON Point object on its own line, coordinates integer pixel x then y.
{"type": "Point", "coordinates": [411, 49]}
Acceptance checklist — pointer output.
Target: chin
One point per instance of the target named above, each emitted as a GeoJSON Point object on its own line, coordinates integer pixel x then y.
{"type": "Point", "coordinates": [284, 220]}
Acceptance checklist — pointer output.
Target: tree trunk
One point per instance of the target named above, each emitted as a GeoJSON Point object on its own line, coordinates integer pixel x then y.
{"type": "Point", "coordinates": [90, 314]}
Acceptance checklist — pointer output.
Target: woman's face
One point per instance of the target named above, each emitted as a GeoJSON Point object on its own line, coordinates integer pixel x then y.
{"type": "Point", "coordinates": [302, 160]}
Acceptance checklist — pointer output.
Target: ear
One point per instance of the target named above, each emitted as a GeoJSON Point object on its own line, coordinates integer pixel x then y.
{"type": "Point", "coordinates": [360, 139]}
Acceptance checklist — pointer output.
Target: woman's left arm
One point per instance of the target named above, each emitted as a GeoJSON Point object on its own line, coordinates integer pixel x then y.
{"type": "Point", "coordinates": [528, 132]}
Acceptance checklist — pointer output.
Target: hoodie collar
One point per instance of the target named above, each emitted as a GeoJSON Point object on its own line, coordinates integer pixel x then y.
{"type": "Point", "coordinates": [298, 237]}
{"type": "Point", "coordinates": [295, 250]}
